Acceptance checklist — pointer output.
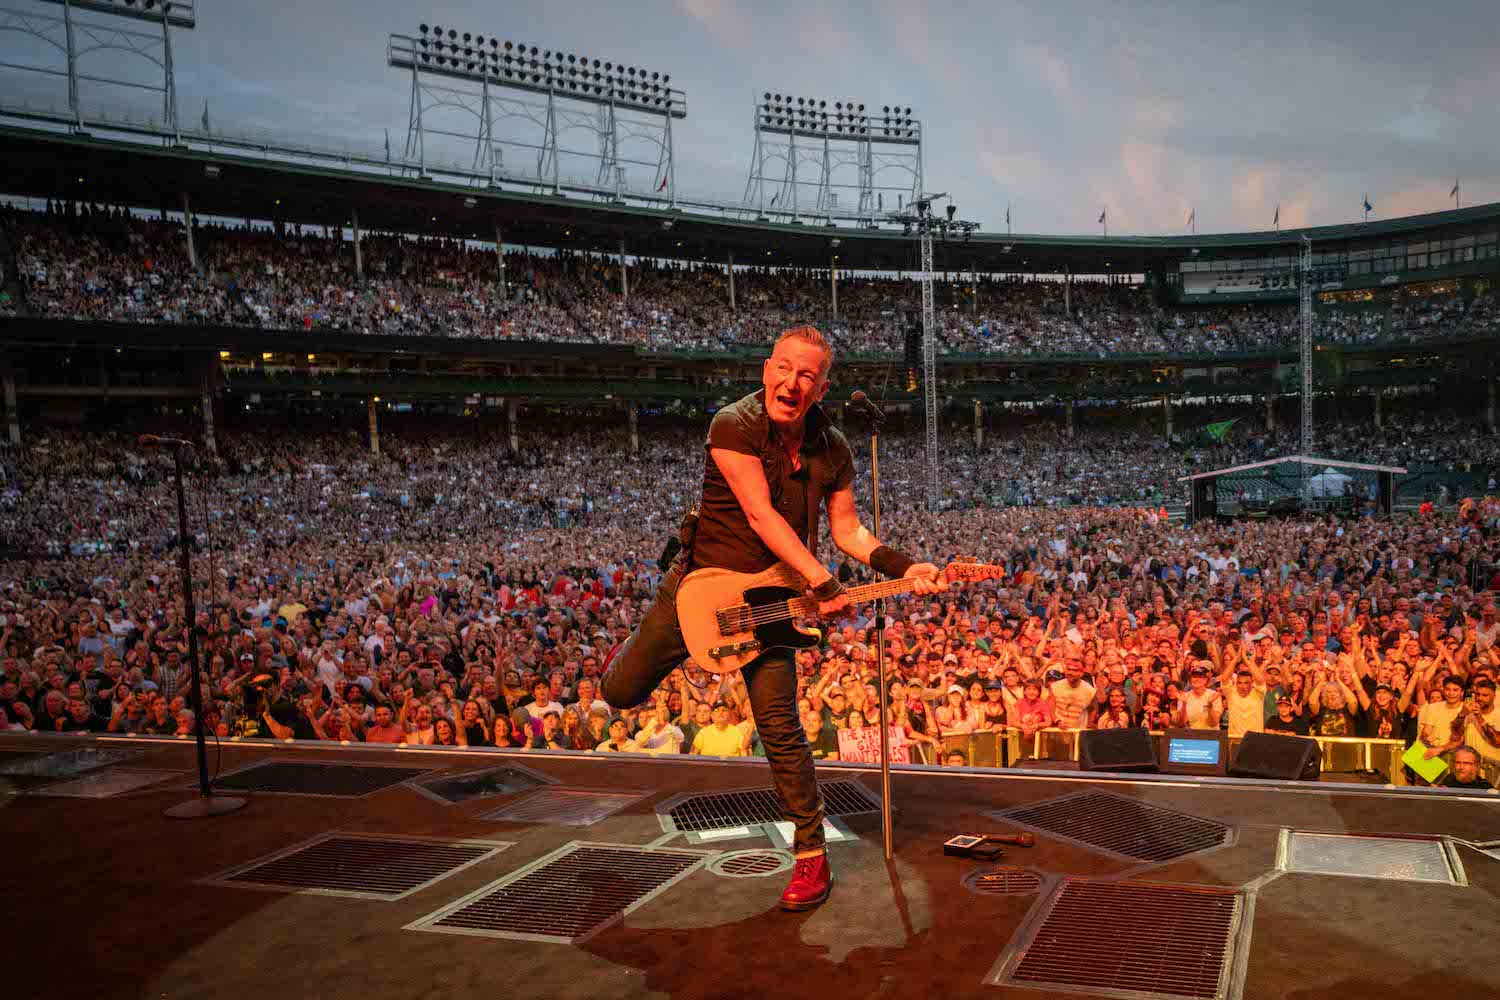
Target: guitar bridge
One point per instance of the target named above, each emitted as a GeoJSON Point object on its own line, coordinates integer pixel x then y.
{"type": "Point", "coordinates": [734, 648]}
{"type": "Point", "coordinates": [733, 620]}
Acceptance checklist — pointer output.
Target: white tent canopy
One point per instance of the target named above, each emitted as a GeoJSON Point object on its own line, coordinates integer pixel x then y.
{"type": "Point", "coordinates": [1328, 483]}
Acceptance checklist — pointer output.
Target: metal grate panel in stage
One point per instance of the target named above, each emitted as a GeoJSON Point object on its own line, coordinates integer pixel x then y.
{"type": "Point", "coordinates": [1405, 859]}
{"type": "Point", "coordinates": [63, 764]}
{"type": "Point", "coordinates": [1159, 941]}
{"type": "Point", "coordinates": [1125, 827]}
{"type": "Point", "coordinates": [586, 887]}
{"type": "Point", "coordinates": [563, 807]}
{"type": "Point", "coordinates": [451, 789]}
{"type": "Point", "coordinates": [717, 810]}
{"type": "Point", "coordinates": [309, 777]}
{"type": "Point", "coordinates": [359, 865]}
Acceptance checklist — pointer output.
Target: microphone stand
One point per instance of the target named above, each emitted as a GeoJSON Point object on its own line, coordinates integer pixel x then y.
{"type": "Point", "coordinates": [207, 803]}
{"type": "Point", "coordinates": [880, 670]}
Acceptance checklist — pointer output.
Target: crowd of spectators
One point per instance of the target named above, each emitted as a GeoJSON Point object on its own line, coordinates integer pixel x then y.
{"type": "Point", "coordinates": [75, 493]}
{"type": "Point", "coordinates": [448, 592]}
{"type": "Point", "coordinates": [86, 262]}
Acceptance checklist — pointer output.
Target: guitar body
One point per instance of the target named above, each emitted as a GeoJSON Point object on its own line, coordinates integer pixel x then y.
{"type": "Point", "coordinates": [728, 619]}
{"type": "Point", "coordinates": [716, 609]}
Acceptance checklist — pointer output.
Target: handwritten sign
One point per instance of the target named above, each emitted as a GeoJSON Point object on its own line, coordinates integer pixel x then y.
{"type": "Point", "coordinates": [1430, 768]}
{"type": "Point", "coordinates": [863, 745]}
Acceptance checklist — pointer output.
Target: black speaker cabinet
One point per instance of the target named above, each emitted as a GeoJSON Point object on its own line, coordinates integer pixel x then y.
{"type": "Point", "coordinates": [1281, 758]}
{"type": "Point", "coordinates": [1130, 749]}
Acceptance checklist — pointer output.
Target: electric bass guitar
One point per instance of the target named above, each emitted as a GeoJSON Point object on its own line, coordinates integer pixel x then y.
{"type": "Point", "coordinates": [728, 618]}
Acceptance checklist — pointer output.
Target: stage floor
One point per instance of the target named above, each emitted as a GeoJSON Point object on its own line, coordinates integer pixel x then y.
{"type": "Point", "coordinates": [1170, 888]}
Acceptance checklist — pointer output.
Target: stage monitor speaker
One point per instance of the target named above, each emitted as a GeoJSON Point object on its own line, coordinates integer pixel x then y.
{"type": "Point", "coordinates": [1130, 749]}
{"type": "Point", "coordinates": [1280, 758]}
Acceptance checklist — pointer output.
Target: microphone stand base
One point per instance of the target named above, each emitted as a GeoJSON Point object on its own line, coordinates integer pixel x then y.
{"type": "Point", "coordinates": [205, 806]}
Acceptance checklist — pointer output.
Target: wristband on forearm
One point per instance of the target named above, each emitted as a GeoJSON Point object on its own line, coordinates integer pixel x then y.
{"type": "Point", "coordinates": [828, 589]}
{"type": "Point", "coordinates": [888, 561]}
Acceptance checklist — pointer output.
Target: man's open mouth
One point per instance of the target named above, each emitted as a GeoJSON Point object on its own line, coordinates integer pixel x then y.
{"type": "Point", "coordinates": [790, 402]}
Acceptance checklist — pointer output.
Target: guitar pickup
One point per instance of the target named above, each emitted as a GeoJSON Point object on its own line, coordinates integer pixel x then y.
{"type": "Point", "coordinates": [734, 648]}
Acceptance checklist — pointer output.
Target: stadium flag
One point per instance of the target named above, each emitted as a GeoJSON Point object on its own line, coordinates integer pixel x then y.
{"type": "Point", "coordinates": [1454, 194]}
{"type": "Point", "coordinates": [1276, 220]}
{"type": "Point", "coordinates": [1192, 217]}
{"type": "Point", "coordinates": [1368, 208]}
{"type": "Point", "coordinates": [774, 197]}
{"type": "Point", "coordinates": [1104, 220]}
{"type": "Point", "coordinates": [1007, 218]}
{"type": "Point", "coordinates": [1102, 215]}
{"type": "Point", "coordinates": [1220, 430]}
{"type": "Point", "coordinates": [663, 185]}
{"type": "Point", "coordinates": [388, 145]}
{"type": "Point", "coordinates": [205, 117]}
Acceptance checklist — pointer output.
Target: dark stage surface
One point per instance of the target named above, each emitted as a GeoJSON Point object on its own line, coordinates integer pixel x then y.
{"type": "Point", "coordinates": [1188, 890]}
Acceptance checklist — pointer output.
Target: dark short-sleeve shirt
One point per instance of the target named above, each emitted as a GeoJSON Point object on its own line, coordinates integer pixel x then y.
{"type": "Point", "coordinates": [1296, 725]}
{"type": "Point", "coordinates": [724, 537]}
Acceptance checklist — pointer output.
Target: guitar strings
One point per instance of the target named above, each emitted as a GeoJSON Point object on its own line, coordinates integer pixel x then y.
{"type": "Point", "coordinates": [783, 610]}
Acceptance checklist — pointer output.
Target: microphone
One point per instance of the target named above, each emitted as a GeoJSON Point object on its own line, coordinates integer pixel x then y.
{"type": "Point", "coordinates": [865, 405]}
{"type": "Point", "coordinates": [156, 441]}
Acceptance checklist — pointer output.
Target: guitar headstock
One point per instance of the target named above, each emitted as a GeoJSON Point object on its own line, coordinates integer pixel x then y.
{"type": "Point", "coordinates": [963, 570]}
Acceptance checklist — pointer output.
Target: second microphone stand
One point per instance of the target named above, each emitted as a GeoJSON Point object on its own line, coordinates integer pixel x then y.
{"type": "Point", "coordinates": [880, 668]}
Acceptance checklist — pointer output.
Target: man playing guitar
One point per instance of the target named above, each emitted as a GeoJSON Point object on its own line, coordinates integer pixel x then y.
{"type": "Point", "coordinates": [773, 458]}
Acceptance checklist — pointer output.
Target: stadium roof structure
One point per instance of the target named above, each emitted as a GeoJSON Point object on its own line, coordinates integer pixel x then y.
{"type": "Point", "coordinates": [238, 183]}
{"type": "Point", "coordinates": [1300, 460]}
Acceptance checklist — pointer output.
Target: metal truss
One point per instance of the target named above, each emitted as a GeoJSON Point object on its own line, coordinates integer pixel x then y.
{"type": "Point", "coordinates": [75, 40]}
{"type": "Point", "coordinates": [801, 171]}
{"type": "Point", "coordinates": [498, 117]}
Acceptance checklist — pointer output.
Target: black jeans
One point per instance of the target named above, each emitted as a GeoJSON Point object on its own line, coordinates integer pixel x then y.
{"type": "Point", "coordinates": [655, 649]}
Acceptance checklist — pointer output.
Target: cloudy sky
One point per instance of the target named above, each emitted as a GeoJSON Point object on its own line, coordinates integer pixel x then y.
{"type": "Point", "coordinates": [1055, 108]}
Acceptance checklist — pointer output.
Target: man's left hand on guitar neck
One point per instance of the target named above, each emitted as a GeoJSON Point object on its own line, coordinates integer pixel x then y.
{"type": "Point", "coordinates": [926, 579]}
{"type": "Point", "coordinates": [929, 579]}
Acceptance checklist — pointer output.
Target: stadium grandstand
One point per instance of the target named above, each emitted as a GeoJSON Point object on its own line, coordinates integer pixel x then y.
{"type": "Point", "coordinates": [445, 419]}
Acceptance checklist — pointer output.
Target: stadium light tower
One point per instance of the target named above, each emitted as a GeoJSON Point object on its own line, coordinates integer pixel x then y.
{"type": "Point", "coordinates": [831, 136]}
{"type": "Point", "coordinates": [611, 101]}
{"type": "Point", "coordinates": [918, 218]}
{"type": "Point", "coordinates": [74, 39]}
{"type": "Point", "coordinates": [1305, 342]}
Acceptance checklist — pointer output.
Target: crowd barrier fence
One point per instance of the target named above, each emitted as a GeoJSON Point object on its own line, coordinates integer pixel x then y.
{"type": "Point", "coordinates": [1009, 747]}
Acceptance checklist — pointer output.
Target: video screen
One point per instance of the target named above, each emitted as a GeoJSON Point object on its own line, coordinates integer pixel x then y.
{"type": "Point", "coordinates": [1188, 751]}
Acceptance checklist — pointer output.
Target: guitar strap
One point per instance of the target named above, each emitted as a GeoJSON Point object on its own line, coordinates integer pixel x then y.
{"type": "Point", "coordinates": [687, 530]}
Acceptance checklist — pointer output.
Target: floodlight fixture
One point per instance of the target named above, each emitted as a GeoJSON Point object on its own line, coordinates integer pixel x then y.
{"type": "Point", "coordinates": [846, 119]}
{"type": "Point", "coordinates": [553, 72]}
{"type": "Point", "coordinates": [177, 13]}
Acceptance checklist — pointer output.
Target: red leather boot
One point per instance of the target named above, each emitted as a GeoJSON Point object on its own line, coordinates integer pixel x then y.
{"type": "Point", "coordinates": [811, 881]}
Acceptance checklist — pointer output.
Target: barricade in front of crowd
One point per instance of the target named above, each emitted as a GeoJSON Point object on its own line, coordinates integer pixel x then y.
{"type": "Point", "coordinates": [981, 749]}
{"type": "Point", "coordinates": [1343, 755]}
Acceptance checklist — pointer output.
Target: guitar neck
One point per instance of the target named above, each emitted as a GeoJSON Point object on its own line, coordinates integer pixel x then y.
{"type": "Point", "coordinates": [867, 592]}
